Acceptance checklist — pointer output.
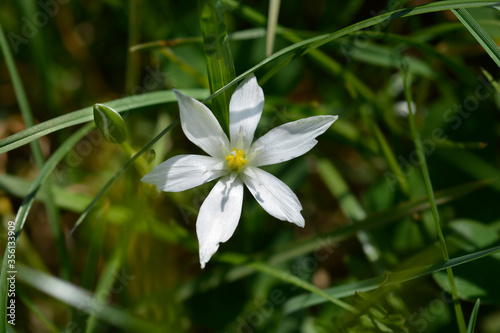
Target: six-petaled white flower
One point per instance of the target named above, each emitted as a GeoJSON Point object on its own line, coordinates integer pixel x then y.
{"type": "Point", "coordinates": [236, 161]}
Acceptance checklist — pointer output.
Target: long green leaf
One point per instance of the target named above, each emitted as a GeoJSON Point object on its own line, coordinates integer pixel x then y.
{"type": "Point", "coordinates": [83, 300]}
{"type": "Point", "coordinates": [272, 22]}
{"type": "Point", "coordinates": [52, 211]}
{"type": "Point", "coordinates": [473, 317]}
{"type": "Point", "coordinates": [131, 103]}
{"type": "Point", "coordinates": [315, 42]}
{"type": "Point", "coordinates": [23, 211]}
{"type": "Point", "coordinates": [63, 198]}
{"type": "Point", "coordinates": [218, 56]}
{"type": "Point", "coordinates": [305, 301]}
{"type": "Point", "coordinates": [375, 220]}
{"type": "Point", "coordinates": [479, 34]}
{"type": "Point", "coordinates": [430, 193]}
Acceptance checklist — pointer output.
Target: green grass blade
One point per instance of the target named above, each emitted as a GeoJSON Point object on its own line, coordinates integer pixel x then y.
{"type": "Point", "coordinates": [23, 211]}
{"type": "Point", "coordinates": [305, 301]}
{"type": "Point", "coordinates": [119, 172]}
{"type": "Point", "coordinates": [373, 221]}
{"type": "Point", "coordinates": [52, 211]}
{"type": "Point", "coordinates": [83, 300]}
{"type": "Point", "coordinates": [131, 103]}
{"type": "Point", "coordinates": [63, 198]}
{"type": "Point", "coordinates": [351, 207]}
{"type": "Point", "coordinates": [272, 22]}
{"type": "Point", "coordinates": [479, 34]}
{"type": "Point", "coordinates": [473, 317]}
{"type": "Point", "coordinates": [105, 284]}
{"type": "Point", "coordinates": [133, 59]}
{"type": "Point", "coordinates": [315, 42]}
{"type": "Point", "coordinates": [238, 259]}
{"type": "Point", "coordinates": [430, 192]}
{"type": "Point", "coordinates": [36, 311]}
{"type": "Point", "coordinates": [491, 80]}
{"type": "Point", "coordinates": [218, 56]}
{"type": "Point", "coordinates": [386, 150]}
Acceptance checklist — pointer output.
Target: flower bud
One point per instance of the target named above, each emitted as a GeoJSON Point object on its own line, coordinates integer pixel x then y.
{"type": "Point", "coordinates": [110, 124]}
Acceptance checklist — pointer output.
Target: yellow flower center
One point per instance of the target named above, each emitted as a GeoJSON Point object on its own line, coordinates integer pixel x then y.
{"type": "Point", "coordinates": [236, 160]}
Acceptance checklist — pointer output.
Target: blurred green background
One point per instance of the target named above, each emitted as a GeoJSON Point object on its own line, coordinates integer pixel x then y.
{"type": "Point", "coordinates": [132, 264]}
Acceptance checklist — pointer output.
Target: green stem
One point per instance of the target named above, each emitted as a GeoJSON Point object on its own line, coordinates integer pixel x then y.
{"type": "Point", "coordinates": [430, 193]}
{"type": "Point", "coordinates": [141, 163]}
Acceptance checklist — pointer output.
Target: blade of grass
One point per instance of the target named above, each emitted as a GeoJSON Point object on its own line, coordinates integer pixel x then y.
{"type": "Point", "coordinates": [52, 211]}
{"type": "Point", "coordinates": [23, 211]}
{"type": "Point", "coordinates": [238, 259]}
{"type": "Point", "coordinates": [311, 44]}
{"type": "Point", "coordinates": [36, 311]}
{"type": "Point", "coordinates": [308, 45]}
{"type": "Point", "coordinates": [388, 279]}
{"type": "Point", "coordinates": [131, 103]}
{"type": "Point", "coordinates": [491, 80]}
{"type": "Point", "coordinates": [374, 220]}
{"type": "Point", "coordinates": [63, 198]}
{"type": "Point", "coordinates": [272, 22]}
{"type": "Point", "coordinates": [218, 56]}
{"type": "Point", "coordinates": [473, 317]}
{"type": "Point", "coordinates": [479, 34]}
{"type": "Point", "coordinates": [351, 207]}
{"type": "Point", "coordinates": [386, 150]}
{"type": "Point", "coordinates": [83, 300]}
{"type": "Point", "coordinates": [430, 193]}
{"type": "Point", "coordinates": [119, 172]}
{"type": "Point", "coordinates": [105, 284]}
{"type": "Point", "coordinates": [133, 59]}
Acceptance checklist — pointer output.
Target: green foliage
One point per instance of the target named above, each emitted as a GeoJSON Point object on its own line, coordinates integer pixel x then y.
{"type": "Point", "coordinates": [400, 195]}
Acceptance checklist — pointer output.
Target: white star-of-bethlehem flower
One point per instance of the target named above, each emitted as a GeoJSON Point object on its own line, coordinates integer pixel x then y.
{"type": "Point", "coordinates": [237, 161]}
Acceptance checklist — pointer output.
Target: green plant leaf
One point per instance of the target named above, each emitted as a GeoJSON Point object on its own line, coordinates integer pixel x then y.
{"type": "Point", "coordinates": [218, 56]}
{"type": "Point", "coordinates": [473, 317]}
{"type": "Point", "coordinates": [83, 300]}
{"type": "Point", "coordinates": [305, 301]}
{"type": "Point", "coordinates": [23, 211]}
{"type": "Point", "coordinates": [131, 103]}
{"type": "Point", "coordinates": [479, 34]}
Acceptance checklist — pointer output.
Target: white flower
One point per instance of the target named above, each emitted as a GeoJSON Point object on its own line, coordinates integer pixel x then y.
{"type": "Point", "coordinates": [237, 161]}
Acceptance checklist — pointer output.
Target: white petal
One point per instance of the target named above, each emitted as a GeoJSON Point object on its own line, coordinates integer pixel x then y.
{"type": "Point", "coordinates": [201, 127]}
{"type": "Point", "coordinates": [183, 172]}
{"type": "Point", "coordinates": [245, 110]}
{"type": "Point", "coordinates": [289, 140]}
{"type": "Point", "coordinates": [273, 195]}
{"type": "Point", "coordinates": [219, 215]}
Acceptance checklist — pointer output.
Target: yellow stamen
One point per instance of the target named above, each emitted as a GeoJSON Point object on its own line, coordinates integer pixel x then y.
{"type": "Point", "coordinates": [236, 160]}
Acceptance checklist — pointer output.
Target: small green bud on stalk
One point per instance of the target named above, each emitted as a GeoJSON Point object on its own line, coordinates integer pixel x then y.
{"type": "Point", "coordinates": [110, 124]}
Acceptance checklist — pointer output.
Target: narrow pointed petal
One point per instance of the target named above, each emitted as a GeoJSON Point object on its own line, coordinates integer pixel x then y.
{"type": "Point", "coordinates": [201, 127]}
{"type": "Point", "coordinates": [273, 195]}
{"type": "Point", "coordinates": [219, 215]}
{"type": "Point", "coordinates": [245, 110]}
{"type": "Point", "coordinates": [288, 141]}
{"type": "Point", "coordinates": [183, 172]}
